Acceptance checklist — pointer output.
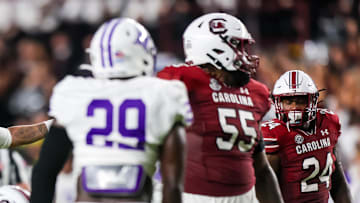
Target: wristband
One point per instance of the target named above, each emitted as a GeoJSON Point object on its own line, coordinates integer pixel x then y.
{"type": "Point", "coordinates": [48, 123]}
{"type": "Point", "coordinates": [5, 138]}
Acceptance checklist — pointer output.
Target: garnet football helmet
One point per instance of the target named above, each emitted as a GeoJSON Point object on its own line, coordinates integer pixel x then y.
{"type": "Point", "coordinates": [295, 83]}
{"type": "Point", "coordinates": [121, 48]}
{"type": "Point", "coordinates": [221, 40]}
{"type": "Point", "coordinates": [14, 194]}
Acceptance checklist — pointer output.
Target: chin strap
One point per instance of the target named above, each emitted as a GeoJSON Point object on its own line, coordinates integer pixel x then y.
{"type": "Point", "coordinates": [288, 126]}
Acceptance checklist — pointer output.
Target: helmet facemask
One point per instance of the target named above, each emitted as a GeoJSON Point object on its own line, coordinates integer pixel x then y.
{"type": "Point", "coordinates": [296, 86]}
{"type": "Point", "coordinates": [296, 117]}
{"type": "Point", "coordinates": [243, 61]}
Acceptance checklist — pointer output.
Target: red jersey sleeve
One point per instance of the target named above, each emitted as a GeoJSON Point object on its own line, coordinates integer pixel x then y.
{"type": "Point", "coordinates": [331, 121]}
{"type": "Point", "coordinates": [261, 98]}
{"type": "Point", "coordinates": [169, 73]}
{"type": "Point", "coordinates": [268, 130]}
{"type": "Point", "coordinates": [267, 103]}
{"type": "Point", "coordinates": [192, 76]}
{"type": "Point", "coordinates": [337, 125]}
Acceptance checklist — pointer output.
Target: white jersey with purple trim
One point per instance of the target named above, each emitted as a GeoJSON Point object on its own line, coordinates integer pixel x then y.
{"type": "Point", "coordinates": [115, 122]}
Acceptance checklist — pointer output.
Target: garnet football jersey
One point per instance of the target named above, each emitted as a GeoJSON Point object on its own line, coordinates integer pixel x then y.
{"type": "Point", "coordinates": [224, 134]}
{"type": "Point", "coordinates": [115, 122]}
{"type": "Point", "coordinates": [307, 160]}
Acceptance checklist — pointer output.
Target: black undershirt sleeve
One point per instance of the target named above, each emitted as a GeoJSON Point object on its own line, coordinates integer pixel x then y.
{"type": "Point", "coordinates": [54, 153]}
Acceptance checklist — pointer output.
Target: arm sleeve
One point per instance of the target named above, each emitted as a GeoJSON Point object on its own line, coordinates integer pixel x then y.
{"type": "Point", "coordinates": [169, 73]}
{"type": "Point", "coordinates": [177, 107]}
{"type": "Point", "coordinates": [267, 104]}
{"type": "Point", "coordinates": [270, 140]}
{"type": "Point", "coordinates": [174, 107]}
{"type": "Point", "coordinates": [187, 75]}
{"type": "Point", "coordinates": [5, 138]}
{"type": "Point", "coordinates": [54, 152]}
{"type": "Point", "coordinates": [338, 126]}
{"type": "Point", "coordinates": [60, 105]}
{"type": "Point", "coordinates": [184, 112]}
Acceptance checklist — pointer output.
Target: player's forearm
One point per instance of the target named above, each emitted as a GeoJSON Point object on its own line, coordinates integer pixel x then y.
{"type": "Point", "coordinates": [25, 134]}
{"type": "Point", "coordinates": [340, 191]}
{"type": "Point", "coordinates": [342, 195]}
{"type": "Point", "coordinates": [54, 153]}
{"type": "Point", "coordinates": [267, 187]}
{"type": "Point", "coordinates": [43, 182]}
{"type": "Point", "coordinates": [171, 194]}
{"type": "Point", "coordinates": [339, 188]}
{"type": "Point", "coordinates": [172, 164]}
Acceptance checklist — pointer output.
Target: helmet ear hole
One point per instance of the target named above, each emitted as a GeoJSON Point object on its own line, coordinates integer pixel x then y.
{"type": "Point", "coordinates": [218, 51]}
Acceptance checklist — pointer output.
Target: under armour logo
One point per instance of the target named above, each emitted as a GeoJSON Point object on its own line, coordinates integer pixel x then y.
{"type": "Point", "coordinates": [324, 132]}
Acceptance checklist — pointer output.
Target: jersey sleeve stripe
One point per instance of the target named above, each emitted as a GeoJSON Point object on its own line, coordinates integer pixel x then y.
{"type": "Point", "coordinates": [271, 146]}
{"type": "Point", "coordinates": [270, 139]}
{"type": "Point", "coordinates": [271, 143]}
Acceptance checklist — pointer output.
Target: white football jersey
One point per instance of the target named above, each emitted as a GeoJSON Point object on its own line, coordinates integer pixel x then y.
{"type": "Point", "coordinates": [113, 122]}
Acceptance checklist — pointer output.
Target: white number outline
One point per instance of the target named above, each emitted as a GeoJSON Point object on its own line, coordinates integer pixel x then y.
{"type": "Point", "coordinates": [324, 176]}
{"type": "Point", "coordinates": [271, 124]}
{"type": "Point", "coordinates": [244, 116]}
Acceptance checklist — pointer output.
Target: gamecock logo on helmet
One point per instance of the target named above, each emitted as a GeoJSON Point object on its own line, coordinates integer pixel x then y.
{"type": "Point", "coordinates": [217, 26]}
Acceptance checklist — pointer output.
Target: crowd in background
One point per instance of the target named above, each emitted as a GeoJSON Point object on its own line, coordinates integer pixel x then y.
{"type": "Point", "coordinates": [43, 40]}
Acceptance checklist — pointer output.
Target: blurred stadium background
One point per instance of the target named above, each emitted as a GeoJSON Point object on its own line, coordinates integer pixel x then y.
{"type": "Point", "coordinates": [43, 40]}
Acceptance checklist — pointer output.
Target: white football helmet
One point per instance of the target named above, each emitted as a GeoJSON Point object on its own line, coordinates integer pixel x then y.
{"type": "Point", "coordinates": [221, 40]}
{"type": "Point", "coordinates": [14, 194]}
{"type": "Point", "coordinates": [295, 83]}
{"type": "Point", "coordinates": [122, 48]}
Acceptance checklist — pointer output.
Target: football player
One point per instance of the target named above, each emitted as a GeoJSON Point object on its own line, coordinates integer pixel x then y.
{"type": "Point", "coordinates": [225, 152]}
{"type": "Point", "coordinates": [23, 134]}
{"type": "Point", "coordinates": [119, 123]}
{"type": "Point", "coordinates": [301, 143]}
